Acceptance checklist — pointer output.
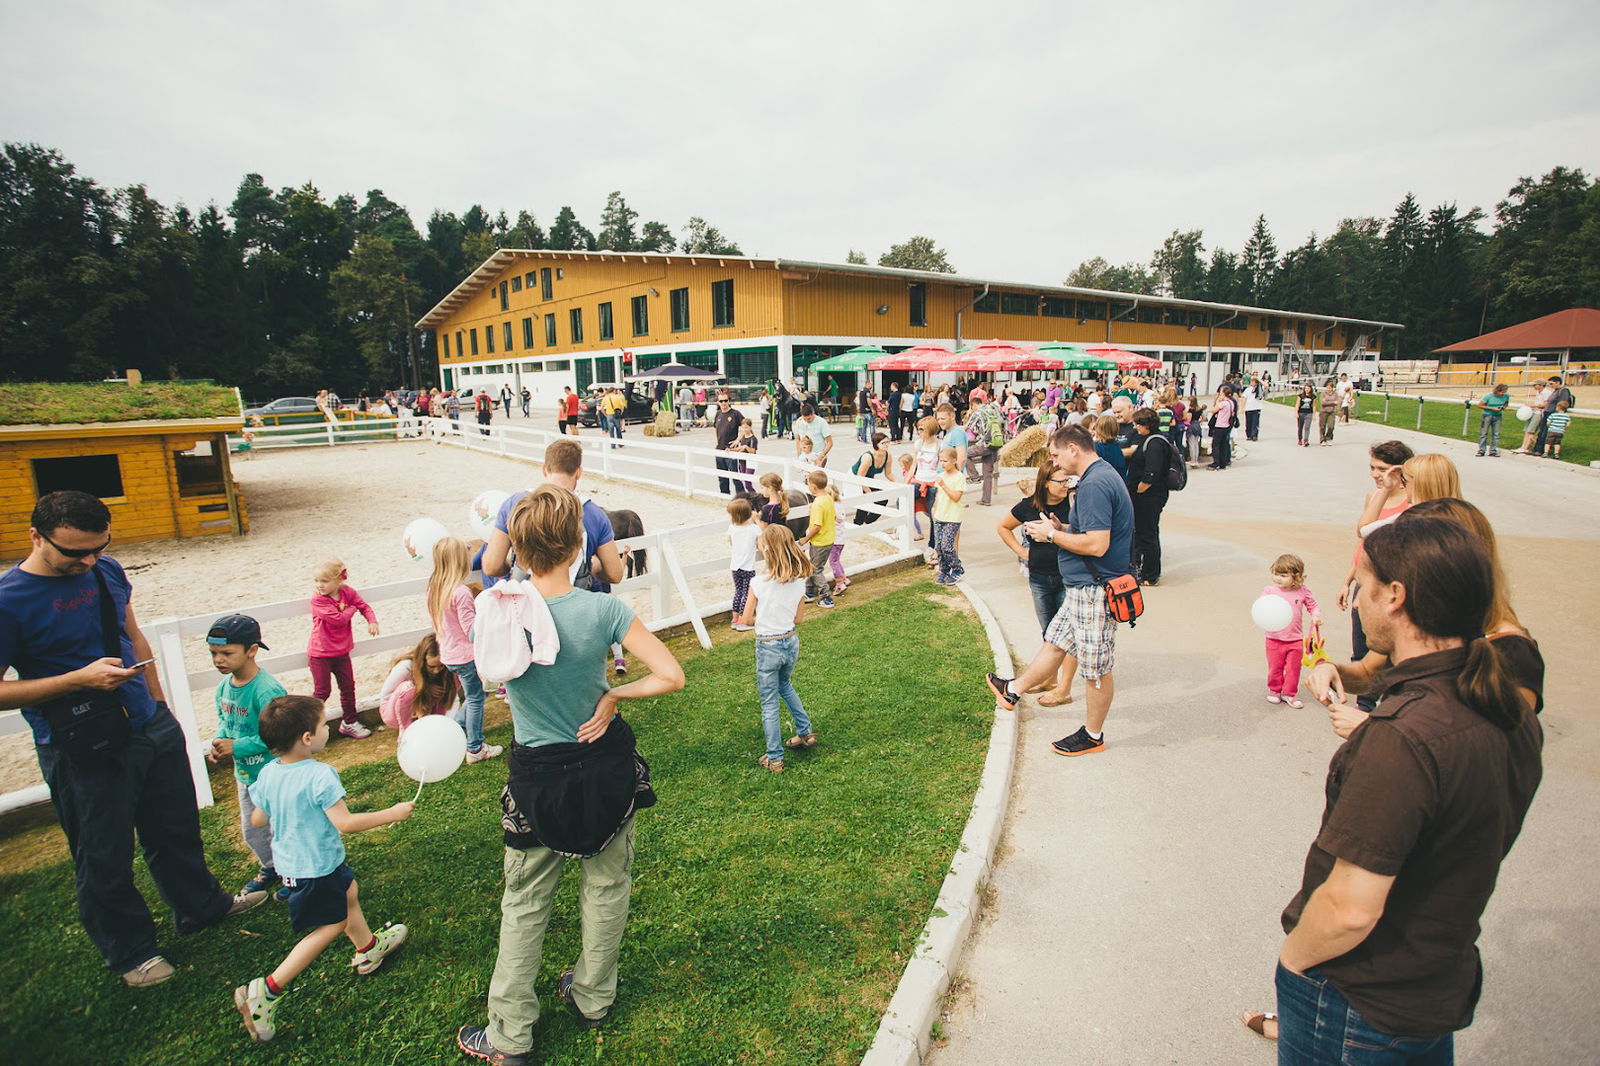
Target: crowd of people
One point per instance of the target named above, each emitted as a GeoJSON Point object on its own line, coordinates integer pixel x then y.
{"type": "Point", "coordinates": [1379, 938]}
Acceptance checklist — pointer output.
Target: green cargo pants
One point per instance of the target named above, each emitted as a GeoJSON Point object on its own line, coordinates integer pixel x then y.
{"type": "Point", "coordinates": [531, 880]}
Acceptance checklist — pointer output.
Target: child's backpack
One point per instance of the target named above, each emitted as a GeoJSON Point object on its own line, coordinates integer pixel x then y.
{"type": "Point", "coordinates": [1165, 415]}
{"type": "Point", "coordinates": [997, 435]}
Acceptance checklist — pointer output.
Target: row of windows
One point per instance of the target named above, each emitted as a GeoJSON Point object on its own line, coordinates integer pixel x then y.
{"type": "Point", "coordinates": [516, 282]}
{"type": "Point", "coordinates": [722, 317]}
{"type": "Point", "coordinates": [1023, 303]}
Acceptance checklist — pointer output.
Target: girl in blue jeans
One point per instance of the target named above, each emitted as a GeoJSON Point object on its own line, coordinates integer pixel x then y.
{"type": "Point", "coordinates": [452, 611]}
{"type": "Point", "coordinates": [774, 606]}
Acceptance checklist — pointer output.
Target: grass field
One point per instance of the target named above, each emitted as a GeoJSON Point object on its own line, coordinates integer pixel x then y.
{"type": "Point", "coordinates": [1581, 445]}
{"type": "Point", "coordinates": [771, 917]}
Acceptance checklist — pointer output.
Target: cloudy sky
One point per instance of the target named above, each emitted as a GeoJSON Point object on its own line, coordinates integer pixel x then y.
{"type": "Point", "coordinates": [1023, 137]}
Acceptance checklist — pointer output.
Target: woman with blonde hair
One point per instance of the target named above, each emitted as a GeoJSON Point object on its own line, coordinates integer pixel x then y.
{"type": "Point", "coordinates": [452, 612]}
{"type": "Point", "coordinates": [1430, 476]}
{"type": "Point", "coordinates": [419, 684]}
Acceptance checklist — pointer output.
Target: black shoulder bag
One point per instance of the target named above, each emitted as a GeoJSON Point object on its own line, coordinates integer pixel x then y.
{"type": "Point", "coordinates": [92, 721]}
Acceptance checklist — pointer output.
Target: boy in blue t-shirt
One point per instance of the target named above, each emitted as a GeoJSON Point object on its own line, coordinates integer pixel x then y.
{"type": "Point", "coordinates": [304, 800]}
{"type": "Point", "coordinates": [233, 640]}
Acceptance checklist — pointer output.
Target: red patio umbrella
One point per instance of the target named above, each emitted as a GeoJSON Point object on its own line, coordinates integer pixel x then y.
{"type": "Point", "coordinates": [997, 355]}
{"type": "Point", "coordinates": [1125, 359]}
{"type": "Point", "coordinates": [922, 357]}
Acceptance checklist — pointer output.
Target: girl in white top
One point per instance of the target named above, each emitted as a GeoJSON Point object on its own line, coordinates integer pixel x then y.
{"type": "Point", "coordinates": [742, 535]}
{"type": "Point", "coordinates": [776, 600]}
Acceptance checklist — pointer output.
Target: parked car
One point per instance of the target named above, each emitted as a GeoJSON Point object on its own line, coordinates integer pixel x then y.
{"type": "Point", "coordinates": [641, 407]}
{"type": "Point", "coordinates": [284, 409]}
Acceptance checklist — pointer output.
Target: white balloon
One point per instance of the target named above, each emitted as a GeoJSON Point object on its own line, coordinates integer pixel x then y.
{"type": "Point", "coordinates": [1524, 412]}
{"type": "Point", "coordinates": [431, 748]}
{"type": "Point", "coordinates": [1271, 613]}
{"type": "Point", "coordinates": [420, 537]}
{"type": "Point", "coordinates": [483, 509]}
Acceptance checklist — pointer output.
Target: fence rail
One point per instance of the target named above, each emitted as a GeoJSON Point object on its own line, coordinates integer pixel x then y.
{"type": "Point", "coordinates": [673, 601]}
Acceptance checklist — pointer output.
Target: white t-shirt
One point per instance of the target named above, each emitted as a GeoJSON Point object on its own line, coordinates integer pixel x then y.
{"type": "Point", "coordinates": [776, 605]}
{"type": "Point", "coordinates": [1344, 389]}
{"type": "Point", "coordinates": [1252, 399]}
{"type": "Point", "coordinates": [743, 540]}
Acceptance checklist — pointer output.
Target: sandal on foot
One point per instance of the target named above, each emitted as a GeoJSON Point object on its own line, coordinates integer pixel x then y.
{"type": "Point", "coordinates": [809, 740]}
{"type": "Point", "coordinates": [1257, 1020]}
{"type": "Point", "coordinates": [775, 765]}
{"type": "Point", "coordinates": [1052, 700]}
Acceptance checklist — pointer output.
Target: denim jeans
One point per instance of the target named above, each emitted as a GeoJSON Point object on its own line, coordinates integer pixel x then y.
{"type": "Point", "coordinates": [469, 715]}
{"type": "Point", "coordinates": [1489, 432]}
{"type": "Point", "coordinates": [1252, 425]}
{"type": "Point", "coordinates": [1317, 1025]}
{"type": "Point", "coordinates": [1048, 593]}
{"type": "Point", "coordinates": [775, 661]}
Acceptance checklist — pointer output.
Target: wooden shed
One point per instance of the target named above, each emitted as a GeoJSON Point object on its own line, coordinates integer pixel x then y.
{"type": "Point", "coordinates": [162, 477]}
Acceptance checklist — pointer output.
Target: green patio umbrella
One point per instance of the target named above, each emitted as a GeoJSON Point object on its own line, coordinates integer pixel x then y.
{"type": "Point", "coordinates": [853, 362]}
{"type": "Point", "coordinates": [1075, 358]}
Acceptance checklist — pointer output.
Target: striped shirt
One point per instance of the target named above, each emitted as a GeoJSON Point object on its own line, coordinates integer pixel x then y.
{"type": "Point", "coordinates": [1556, 423]}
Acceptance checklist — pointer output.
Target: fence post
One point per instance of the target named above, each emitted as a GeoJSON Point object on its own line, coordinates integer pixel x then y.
{"type": "Point", "coordinates": [180, 700]}
{"type": "Point", "coordinates": [1420, 399]}
{"type": "Point", "coordinates": [1466, 413]}
{"type": "Point", "coordinates": [670, 557]}
{"type": "Point", "coordinates": [330, 432]}
{"type": "Point", "coordinates": [1386, 408]}
{"type": "Point", "coordinates": [688, 473]}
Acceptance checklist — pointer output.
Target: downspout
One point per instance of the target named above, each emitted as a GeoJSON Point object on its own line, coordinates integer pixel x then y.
{"type": "Point", "coordinates": [968, 307]}
{"type": "Point", "coordinates": [1211, 334]}
{"type": "Point", "coordinates": [1113, 318]}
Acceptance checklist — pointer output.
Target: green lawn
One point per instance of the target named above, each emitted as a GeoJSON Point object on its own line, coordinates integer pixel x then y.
{"type": "Point", "coordinates": [1581, 445]}
{"type": "Point", "coordinates": [771, 918]}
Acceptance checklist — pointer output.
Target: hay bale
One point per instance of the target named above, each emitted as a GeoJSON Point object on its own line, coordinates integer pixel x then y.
{"type": "Point", "coordinates": [665, 425]}
{"type": "Point", "coordinates": [1028, 448]}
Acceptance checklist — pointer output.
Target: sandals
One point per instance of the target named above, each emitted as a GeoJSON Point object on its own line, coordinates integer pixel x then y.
{"type": "Point", "coordinates": [1052, 700]}
{"type": "Point", "coordinates": [809, 740]}
{"type": "Point", "coordinates": [1256, 1021]}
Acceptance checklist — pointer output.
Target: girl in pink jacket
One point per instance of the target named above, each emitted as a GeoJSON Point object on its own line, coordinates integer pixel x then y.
{"type": "Point", "coordinates": [334, 607]}
{"type": "Point", "coordinates": [1284, 646]}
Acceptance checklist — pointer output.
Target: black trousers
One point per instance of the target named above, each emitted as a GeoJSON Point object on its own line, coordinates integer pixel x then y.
{"type": "Point", "coordinates": [1146, 559]}
{"type": "Point", "coordinates": [1221, 447]}
{"type": "Point", "coordinates": [1252, 425]}
{"type": "Point", "coordinates": [101, 804]}
{"type": "Point", "coordinates": [722, 482]}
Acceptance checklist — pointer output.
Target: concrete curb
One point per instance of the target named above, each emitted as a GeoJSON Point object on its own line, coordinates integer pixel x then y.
{"type": "Point", "coordinates": [906, 1030]}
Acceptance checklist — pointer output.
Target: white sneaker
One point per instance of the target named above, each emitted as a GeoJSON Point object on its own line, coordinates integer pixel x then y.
{"type": "Point", "coordinates": [389, 939]}
{"type": "Point", "coordinates": [354, 730]}
{"type": "Point", "coordinates": [150, 972]}
{"type": "Point", "coordinates": [256, 1009]}
{"type": "Point", "coordinates": [488, 751]}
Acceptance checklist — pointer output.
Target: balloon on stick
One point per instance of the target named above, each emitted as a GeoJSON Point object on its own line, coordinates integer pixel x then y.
{"type": "Point", "coordinates": [1271, 613]}
{"type": "Point", "coordinates": [484, 508]}
{"type": "Point", "coordinates": [431, 749]}
{"type": "Point", "coordinates": [420, 536]}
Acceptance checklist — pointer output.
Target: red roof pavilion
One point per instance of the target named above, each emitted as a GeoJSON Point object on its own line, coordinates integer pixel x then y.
{"type": "Point", "coordinates": [1560, 332]}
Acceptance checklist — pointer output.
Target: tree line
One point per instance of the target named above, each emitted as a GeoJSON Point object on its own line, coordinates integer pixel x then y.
{"type": "Point", "coordinates": [283, 291]}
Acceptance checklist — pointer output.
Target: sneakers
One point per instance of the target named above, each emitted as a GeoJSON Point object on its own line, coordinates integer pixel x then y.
{"type": "Point", "coordinates": [354, 730]}
{"type": "Point", "coordinates": [1293, 701]}
{"type": "Point", "coordinates": [256, 1009]}
{"type": "Point", "coordinates": [1272, 697]}
{"type": "Point", "coordinates": [564, 987]}
{"type": "Point", "coordinates": [808, 599]}
{"type": "Point", "coordinates": [474, 1040]}
{"type": "Point", "coordinates": [149, 973]}
{"type": "Point", "coordinates": [740, 627]}
{"type": "Point", "coordinates": [244, 901]}
{"type": "Point", "coordinates": [282, 895]}
{"type": "Point", "coordinates": [826, 601]}
{"type": "Point", "coordinates": [488, 751]}
{"type": "Point", "coordinates": [389, 939]}
{"type": "Point", "coordinates": [997, 685]}
{"type": "Point", "coordinates": [265, 880]}
{"type": "Point", "coordinates": [1079, 743]}
{"type": "Point", "coordinates": [619, 666]}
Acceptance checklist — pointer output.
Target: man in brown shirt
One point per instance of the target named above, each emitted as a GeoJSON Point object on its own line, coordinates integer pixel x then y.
{"type": "Point", "coordinates": [1423, 802]}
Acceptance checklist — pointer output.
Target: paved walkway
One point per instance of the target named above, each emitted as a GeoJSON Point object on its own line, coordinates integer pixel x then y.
{"type": "Point", "coordinates": [1135, 904]}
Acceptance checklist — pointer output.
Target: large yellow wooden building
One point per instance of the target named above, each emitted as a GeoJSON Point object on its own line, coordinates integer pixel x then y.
{"type": "Point", "coordinates": [544, 319]}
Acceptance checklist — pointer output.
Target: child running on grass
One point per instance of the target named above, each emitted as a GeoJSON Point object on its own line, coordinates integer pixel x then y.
{"type": "Point", "coordinates": [419, 684]}
{"type": "Point", "coordinates": [334, 607]}
{"type": "Point", "coordinates": [774, 610]}
{"type": "Point", "coordinates": [742, 536]}
{"type": "Point", "coordinates": [450, 606]}
{"type": "Point", "coordinates": [303, 800]}
{"type": "Point", "coordinates": [1284, 646]}
{"type": "Point", "coordinates": [947, 511]}
{"type": "Point", "coordinates": [234, 640]}
{"type": "Point", "coordinates": [818, 541]}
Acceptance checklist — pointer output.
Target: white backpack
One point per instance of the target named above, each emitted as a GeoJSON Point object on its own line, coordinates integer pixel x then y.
{"type": "Point", "coordinates": [512, 631]}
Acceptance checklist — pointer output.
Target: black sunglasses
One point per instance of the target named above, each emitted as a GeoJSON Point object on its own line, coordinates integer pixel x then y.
{"type": "Point", "coordinates": [76, 553]}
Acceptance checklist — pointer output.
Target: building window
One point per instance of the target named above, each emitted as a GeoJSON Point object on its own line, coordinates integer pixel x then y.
{"type": "Point", "coordinates": [516, 283]}
{"type": "Point", "coordinates": [1150, 316]}
{"type": "Point", "coordinates": [544, 283]}
{"type": "Point", "coordinates": [530, 368]}
{"type": "Point", "coordinates": [559, 365]}
{"type": "Point", "coordinates": [199, 471]}
{"type": "Point", "coordinates": [505, 334]}
{"type": "Point", "coordinates": [98, 475]}
{"type": "Point", "coordinates": [721, 304]}
{"type": "Point", "coordinates": [576, 317]}
{"type": "Point", "coordinates": [474, 335]}
{"type": "Point", "coordinates": [488, 339]}
{"type": "Point", "coordinates": [641, 316]}
{"type": "Point", "coordinates": [919, 303]}
{"type": "Point", "coordinates": [1091, 310]}
{"type": "Point", "coordinates": [1018, 303]}
{"type": "Point", "coordinates": [550, 331]}
{"type": "Point", "coordinates": [989, 304]}
{"type": "Point", "coordinates": [605, 369]}
{"type": "Point", "coordinates": [527, 333]}
{"type": "Point", "coordinates": [528, 280]}
{"type": "Point", "coordinates": [1058, 307]}
{"type": "Point", "coordinates": [505, 299]}
{"type": "Point", "coordinates": [680, 310]}
{"type": "Point", "coordinates": [605, 321]}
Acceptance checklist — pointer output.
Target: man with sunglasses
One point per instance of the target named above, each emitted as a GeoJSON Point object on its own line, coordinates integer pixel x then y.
{"type": "Point", "coordinates": [129, 773]}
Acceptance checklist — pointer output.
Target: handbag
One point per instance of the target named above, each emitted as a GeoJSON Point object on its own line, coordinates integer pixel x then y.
{"type": "Point", "coordinates": [1124, 600]}
{"type": "Point", "coordinates": [92, 721]}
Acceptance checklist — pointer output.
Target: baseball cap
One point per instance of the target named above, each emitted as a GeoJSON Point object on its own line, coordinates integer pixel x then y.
{"type": "Point", "coordinates": [236, 629]}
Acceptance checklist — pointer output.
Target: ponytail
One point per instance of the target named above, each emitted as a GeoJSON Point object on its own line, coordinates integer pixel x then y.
{"type": "Point", "coordinates": [1488, 687]}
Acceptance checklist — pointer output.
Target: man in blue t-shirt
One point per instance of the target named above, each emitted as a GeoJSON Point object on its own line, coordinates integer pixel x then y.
{"type": "Point", "coordinates": [136, 774]}
{"type": "Point", "coordinates": [1094, 546]}
{"type": "Point", "coordinates": [599, 562]}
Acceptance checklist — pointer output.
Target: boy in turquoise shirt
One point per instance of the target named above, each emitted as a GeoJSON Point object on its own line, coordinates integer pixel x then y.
{"type": "Point", "coordinates": [234, 640]}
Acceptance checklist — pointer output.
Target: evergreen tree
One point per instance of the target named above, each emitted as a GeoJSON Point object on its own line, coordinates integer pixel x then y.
{"type": "Point", "coordinates": [568, 234]}
{"type": "Point", "coordinates": [1096, 273]}
{"type": "Point", "coordinates": [702, 238]}
{"type": "Point", "coordinates": [1259, 260]}
{"type": "Point", "coordinates": [1537, 255]}
{"type": "Point", "coordinates": [656, 237]}
{"type": "Point", "coordinates": [525, 233]}
{"type": "Point", "coordinates": [616, 225]}
{"type": "Point", "coordinates": [853, 256]}
{"type": "Point", "coordinates": [1177, 267]}
{"type": "Point", "coordinates": [373, 293]}
{"type": "Point", "coordinates": [917, 253]}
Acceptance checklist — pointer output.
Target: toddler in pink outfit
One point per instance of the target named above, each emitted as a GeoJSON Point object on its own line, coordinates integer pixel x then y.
{"type": "Point", "coordinates": [1284, 646]}
{"type": "Point", "coordinates": [334, 607]}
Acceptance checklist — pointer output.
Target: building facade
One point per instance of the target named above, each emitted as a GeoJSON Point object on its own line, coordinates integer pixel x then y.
{"type": "Point", "coordinates": [546, 319]}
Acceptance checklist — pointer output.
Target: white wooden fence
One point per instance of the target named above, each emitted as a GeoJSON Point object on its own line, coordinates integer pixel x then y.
{"type": "Point", "coordinates": [673, 601]}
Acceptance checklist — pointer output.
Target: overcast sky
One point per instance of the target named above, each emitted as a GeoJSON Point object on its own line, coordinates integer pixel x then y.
{"type": "Point", "coordinates": [1022, 137]}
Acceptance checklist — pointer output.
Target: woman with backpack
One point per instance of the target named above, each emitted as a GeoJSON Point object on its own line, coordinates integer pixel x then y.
{"type": "Point", "coordinates": [1148, 468]}
{"type": "Point", "coordinates": [985, 437]}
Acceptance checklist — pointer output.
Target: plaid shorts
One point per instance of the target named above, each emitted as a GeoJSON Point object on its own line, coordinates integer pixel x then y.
{"type": "Point", "coordinates": [1085, 630]}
